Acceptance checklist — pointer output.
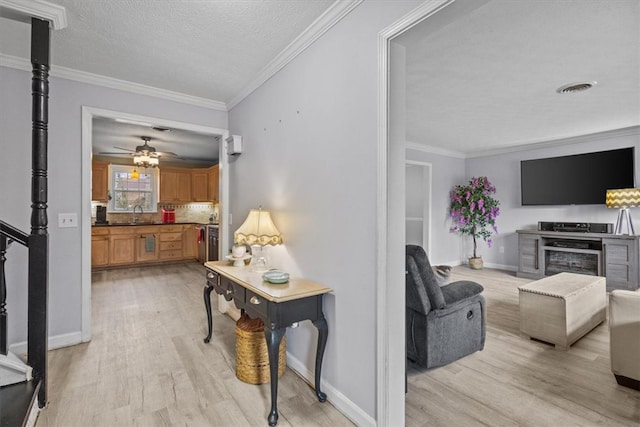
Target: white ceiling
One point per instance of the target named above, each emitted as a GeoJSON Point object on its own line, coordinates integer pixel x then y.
{"type": "Point", "coordinates": [481, 74]}
{"type": "Point", "coordinates": [207, 48]}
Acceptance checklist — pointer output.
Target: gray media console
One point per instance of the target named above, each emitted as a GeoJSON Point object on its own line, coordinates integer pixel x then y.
{"type": "Point", "coordinates": [615, 257]}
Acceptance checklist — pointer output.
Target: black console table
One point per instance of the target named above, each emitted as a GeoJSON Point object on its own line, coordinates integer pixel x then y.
{"type": "Point", "coordinates": [616, 257]}
{"type": "Point", "coordinates": [279, 306]}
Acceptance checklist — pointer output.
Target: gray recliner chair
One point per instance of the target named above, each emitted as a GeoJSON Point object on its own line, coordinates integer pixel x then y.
{"type": "Point", "coordinates": [444, 323]}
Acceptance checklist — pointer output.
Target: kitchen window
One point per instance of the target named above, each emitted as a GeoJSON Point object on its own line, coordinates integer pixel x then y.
{"type": "Point", "coordinates": [127, 191]}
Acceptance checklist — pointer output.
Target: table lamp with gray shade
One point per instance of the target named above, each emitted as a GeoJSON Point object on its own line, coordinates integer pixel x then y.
{"type": "Point", "coordinates": [258, 231]}
{"type": "Point", "coordinates": [623, 199]}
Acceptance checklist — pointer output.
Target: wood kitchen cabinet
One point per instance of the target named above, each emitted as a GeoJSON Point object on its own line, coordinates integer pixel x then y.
{"type": "Point", "coordinates": [99, 247]}
{"type": "Point", "coordinates": [214, 184]}
{"type": "Point", "coordinates": [122, 245]}
{"type": "Point", "coordinates": [175, 185]}
{"type": "Point", "coordinates": [189, 241]}
{"type": "Point", "coordinates": [147, 243]}
{"type": "Point", "coordinates": [200, 185]}
{"type": "Point", "coordinates": [99, 182]}
{"type": "Point", "coordinates": [171, 242]}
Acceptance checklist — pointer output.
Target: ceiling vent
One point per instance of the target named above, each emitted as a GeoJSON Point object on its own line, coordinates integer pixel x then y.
{"type": "Point", "coordinates": [575, 87]}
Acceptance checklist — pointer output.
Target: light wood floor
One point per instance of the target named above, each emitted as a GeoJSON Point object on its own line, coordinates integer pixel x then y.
{"type": "Point", "coordinates": [147, 364]}
{"type": "Point", "coordinates": [515, 381]}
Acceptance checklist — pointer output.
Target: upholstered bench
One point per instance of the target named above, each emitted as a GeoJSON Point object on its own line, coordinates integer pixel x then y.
{"type": "Point", "coordinates": [562, 308]}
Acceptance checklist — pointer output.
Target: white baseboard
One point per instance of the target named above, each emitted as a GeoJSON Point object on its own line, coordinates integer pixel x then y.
{"type": "Point", "coordinates": [56, 341]}
{"type": "Point", "coordinates": [501, 266]}
{"type": "Point", "coordinates": [337, 399]}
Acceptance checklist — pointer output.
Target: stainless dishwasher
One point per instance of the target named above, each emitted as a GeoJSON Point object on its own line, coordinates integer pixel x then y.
{"type": "Point", "coordinates": [212, 242]}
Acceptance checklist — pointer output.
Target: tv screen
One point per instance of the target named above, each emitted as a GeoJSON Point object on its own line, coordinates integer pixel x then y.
{"type": "Point", "coordinates": [581, 179]}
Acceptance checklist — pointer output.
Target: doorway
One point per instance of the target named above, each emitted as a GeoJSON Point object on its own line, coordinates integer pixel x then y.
{"type": "Point", "coordinates": [390, 306]}
{"type": "Point", "coordinates": [418, 204]}
{"type": "Point", "coordinates": [88, 115]}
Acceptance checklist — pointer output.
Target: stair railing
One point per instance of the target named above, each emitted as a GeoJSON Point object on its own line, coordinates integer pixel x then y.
{"type": "Point", "coordinates": [37, 241]}
{"type": "Point", "coordinates": [8, 235]}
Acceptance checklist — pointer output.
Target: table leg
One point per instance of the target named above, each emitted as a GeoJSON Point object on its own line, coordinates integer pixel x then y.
{"type": "Point", "coordinates": [323, 333]}
{"type": "Point", "coordinates": [207, 306]}
{"type": "Point", "coordinates": [273, 348]}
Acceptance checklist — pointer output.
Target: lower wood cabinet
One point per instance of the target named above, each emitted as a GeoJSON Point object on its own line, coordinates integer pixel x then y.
{"type": "Point", "coordinates": [122, 249]}
{"type": "Point", "coordinates": [132, 245]}
{"type": "Point", "coordinates": [171, 242]}
{"type": "Point", "coordinates": [189, 241]}
{"type": "Point", "coordinates": [100, 248]}
{"type": "Point", "coordinates": [147, 244]}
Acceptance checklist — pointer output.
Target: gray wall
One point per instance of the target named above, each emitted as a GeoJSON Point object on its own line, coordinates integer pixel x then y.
{"type": "Point", "coordinates": [66, 99]}
{"type": "Point", "coordinates": [503, 170]}
{"type": "Point", "coordinates": [310, 157]}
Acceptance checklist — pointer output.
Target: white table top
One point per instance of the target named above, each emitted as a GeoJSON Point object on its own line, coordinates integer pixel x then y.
{"type": "Point", "coordinates": [295, 288]}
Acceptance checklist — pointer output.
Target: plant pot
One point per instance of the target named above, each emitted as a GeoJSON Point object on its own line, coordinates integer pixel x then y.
{"type": "Point", "coordinates": [475, 263]}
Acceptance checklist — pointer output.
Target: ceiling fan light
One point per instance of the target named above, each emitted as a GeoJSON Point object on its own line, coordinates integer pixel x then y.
{"type": "Point", "coordinates": [144, 160]}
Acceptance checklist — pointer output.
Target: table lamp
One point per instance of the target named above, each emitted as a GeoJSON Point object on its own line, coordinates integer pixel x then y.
{"type": "Point", "coordinates": [258, 231]}
{"type": "Point", "coordinates": [623, 199]}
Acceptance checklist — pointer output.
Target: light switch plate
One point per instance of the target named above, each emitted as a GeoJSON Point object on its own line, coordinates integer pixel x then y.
{"type": "Point", "coordinates": [67, 220]}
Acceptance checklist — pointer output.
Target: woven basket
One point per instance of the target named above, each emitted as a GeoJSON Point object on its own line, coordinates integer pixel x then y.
{"type": "Point", "coordinates": [252, 357]}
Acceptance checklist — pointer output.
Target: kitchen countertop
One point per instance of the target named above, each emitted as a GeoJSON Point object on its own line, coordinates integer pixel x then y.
{"type": "Point", "coordinates": [126, 224]}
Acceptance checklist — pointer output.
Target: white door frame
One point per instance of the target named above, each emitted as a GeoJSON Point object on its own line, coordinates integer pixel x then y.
{"type": "Point", "coordinates": [390, 351]}
{"type": "Point", "coordinates": [426, 207]}
{"type": "Point", "coordinates": [88, 113]}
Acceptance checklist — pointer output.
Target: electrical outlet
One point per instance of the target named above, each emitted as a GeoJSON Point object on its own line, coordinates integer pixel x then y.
{"type": "Point", "coordinates": [67, 220]}
{"type": "Point", "coordinates": [501, 249]}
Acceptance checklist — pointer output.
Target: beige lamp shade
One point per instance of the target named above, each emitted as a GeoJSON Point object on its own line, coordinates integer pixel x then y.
{"type": "Point", "coordinates": [623, 198]}
{"type": "Point", "coordinates": [257, 229]}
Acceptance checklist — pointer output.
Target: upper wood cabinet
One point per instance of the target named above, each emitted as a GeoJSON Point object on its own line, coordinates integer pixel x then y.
{"type": "Point", "coordinates": [99, 182]}
{"type": "Point", "coordinates": [175, 185]}
{"type": "Point", "coordinates": [189, 185]}
{"type": "Point", "coordinates": [200, 185]}
{"type": "Point", "coordinates": [214, 184]}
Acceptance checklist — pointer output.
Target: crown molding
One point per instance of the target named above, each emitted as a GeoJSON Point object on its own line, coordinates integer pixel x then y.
{"type": "Point", "coordinates": [24, 10]}
{"type": "Point", "coordinates": [328, 19]}
{"type": "Point", "coordinates": [434, 150]}
{"type": "Point", "coordinates": [98, 80]}
{"type": "Point", "coordinates": [321, 25]}
{"type": "Point", "coordinates": [597, 136]}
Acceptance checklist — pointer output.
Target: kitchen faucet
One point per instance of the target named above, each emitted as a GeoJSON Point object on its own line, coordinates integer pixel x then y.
{"type": "Point", "coordinates": [133, 216]}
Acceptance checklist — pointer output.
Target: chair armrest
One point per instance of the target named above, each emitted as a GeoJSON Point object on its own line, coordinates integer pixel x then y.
{"type": "Point", "coordinates": [460, 290]}
{"type": "Point", "coordinates": [624, 326]}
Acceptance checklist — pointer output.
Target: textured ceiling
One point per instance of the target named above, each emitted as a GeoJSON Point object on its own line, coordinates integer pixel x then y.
{"type": "Point", "coordinates": [205, 48]}
{"type": "Point", "coordinates": [483, 74]}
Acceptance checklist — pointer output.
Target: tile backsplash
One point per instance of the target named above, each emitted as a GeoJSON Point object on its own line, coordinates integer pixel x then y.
{"type": "Point", "coordinates": [185, 212]}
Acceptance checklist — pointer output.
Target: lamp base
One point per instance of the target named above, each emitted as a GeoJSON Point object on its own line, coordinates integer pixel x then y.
{"type": "Point", "coordinates": [622, 215]}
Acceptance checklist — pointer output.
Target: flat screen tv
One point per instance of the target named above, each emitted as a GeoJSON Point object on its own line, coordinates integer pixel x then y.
{"type": "Point", "coordinates": [580, 179]}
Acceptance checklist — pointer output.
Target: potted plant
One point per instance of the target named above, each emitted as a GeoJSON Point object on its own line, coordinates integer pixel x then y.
{"type": "Point", "coordinates": [473, 211]}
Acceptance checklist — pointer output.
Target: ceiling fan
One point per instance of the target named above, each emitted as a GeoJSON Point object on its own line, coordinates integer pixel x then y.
{"type": "Point", "coordinates": [144, 155]}
{"type": "Point", "coordinates": [147, 156]}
